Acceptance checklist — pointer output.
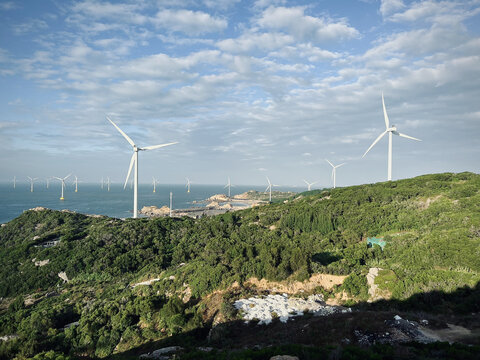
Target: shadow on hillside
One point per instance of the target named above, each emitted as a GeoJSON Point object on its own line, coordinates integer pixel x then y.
{"type": "Point", "coordinates": [325, 333]}
{"type": "Point", "coordinates": [325, 258]}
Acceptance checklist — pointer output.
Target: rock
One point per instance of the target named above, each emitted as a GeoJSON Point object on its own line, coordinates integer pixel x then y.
{"type": "Point", "coordinates": [212, 205]}
{"type": "Point", "coordinates": [40, 262]}
{"type": "Point", "coordinates": [155, 211]}
{"type": "Point", "coordinates": [63, 275]}
{"type": "Point", "coordinates": [158, 354]}
{"type": "Point", "coordinates": [284, 357]}
{"type": "Point", "coordinates": [38, 208]}
{"type": "Point", "coordinates": [396, 317]}
{"type": "Point", "coordinates": [205, 348]}
{"type": "Point", "coordinates": [218, 198]}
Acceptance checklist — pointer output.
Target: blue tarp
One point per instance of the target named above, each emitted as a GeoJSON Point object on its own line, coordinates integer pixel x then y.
{"type": "Point", "coordinates": [379, 241]}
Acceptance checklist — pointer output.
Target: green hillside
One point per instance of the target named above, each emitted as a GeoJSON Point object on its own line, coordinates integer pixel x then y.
{"type": "Point", "coordinates": [431, 226]}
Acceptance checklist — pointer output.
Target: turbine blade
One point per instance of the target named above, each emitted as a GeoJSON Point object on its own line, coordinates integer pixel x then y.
{"type": "Point", "coordinates": [132, 161]}
{"type": "Point", "coordinates": [340, 165]}
{"type": "Point", "coordinates": [268, 187]}
{"type": "Point", "coordinates": [376, 140]}
{"type": "Point", "coordinates": [269, 183]}
{"type": "Point", "coordinates": [406, 136]}
{"type": "Point", "coordinates": [329, 163]}
{"type": "Point", "coordinates": [130, 141]}
{"type": "Point", "coordinates": [57, 178]}
{"type": "Point", "coordinates": [66, 177]}
{"type": "Point", "coordinates": [387, 122]}
{"type": "Point", "coordinates": [306, 182]}
{"type": "Point", "coordinates": [158, 146]}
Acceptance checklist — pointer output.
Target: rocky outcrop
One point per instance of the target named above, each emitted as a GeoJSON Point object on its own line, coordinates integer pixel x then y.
{"type": "Point", "coordinates": [268, 307]}
{"type": "Point", "coordinates": [218, 198]}
{"type": "Point", "coordinates": [63, 275]}
{"type": "Point", "coordinates": [40, 262]}
{"type": "Point", "coordinates": [155, 211]}
{"type": "Point", "coordinates": [160, 353]}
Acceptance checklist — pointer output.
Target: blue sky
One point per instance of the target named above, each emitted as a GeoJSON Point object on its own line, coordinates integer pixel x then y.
{"type": "Point", "coordinates": [248, 88]}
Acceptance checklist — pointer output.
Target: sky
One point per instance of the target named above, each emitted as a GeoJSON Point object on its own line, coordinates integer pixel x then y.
{"type": "Point", "coordinates": [249, 89]}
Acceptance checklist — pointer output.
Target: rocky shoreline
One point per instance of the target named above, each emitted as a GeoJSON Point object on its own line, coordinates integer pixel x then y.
{"type": "Point", "coordinates": [214, 205]}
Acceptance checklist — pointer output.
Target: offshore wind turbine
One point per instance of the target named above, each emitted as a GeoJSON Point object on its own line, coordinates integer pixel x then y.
{"type": "Point", "coordinates": [47, 180]}
{"type": "Point", "coordinates": [390, 130]}
{"type": "Point", "coordinates": [102, 183]}
{"type": "Point", "coordinates": [188, 184]}
{"type": "Point", "coordinates": [76, 183]}
{"type": "Point", "coordinates": [134, 161]}
{"type": "Point", "coordinates": [32, 180]}
{"type": "Point", "coordinates": [229, 185]}
{"type": "Point", "coordinates": [334, 171]}
{"type": "Point", "coordinates": [309, 185]}
{"type": "Point", "coordinates": [269, 188]}
{"type": "Point", "coordinates": [14, 182]}
{"type": "Point", "coordinates": [154, 181]}
{"type": "Point", "coordinates": [63, 183]}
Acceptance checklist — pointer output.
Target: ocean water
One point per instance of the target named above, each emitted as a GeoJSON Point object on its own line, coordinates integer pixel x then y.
{"type": "Point", "coordinates": [92, 199]}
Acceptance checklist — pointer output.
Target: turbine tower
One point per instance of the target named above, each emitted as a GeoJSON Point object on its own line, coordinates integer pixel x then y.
{"type": "Point", "coordinates": [32, 180]}
{"type": "Point", "coordinates": [63, 183]}
{"type": "Point", "coordinates": [102, 183]}
{"type": "Point", "coordinates": [108, 183]}
{"type": "Point", "coordinates": [47, 180]}
{"type": "Point", "coordinates": [390, 130]}
{"type": "Point", "coordinates": [334, 171]}
{"type": "Point", "coordinates": [269, 188]}
{"type": "Point", "coordinates": [154, 182]}
{"type": "Point", "coordinates": [134, 161]}
{"type": "Point", "coordinates": [76, 183]}
{"type": "Point", "coordinates": [309, 185]}
{"type": "Point", "coordinates": [14, 182]}
{"type": "Point", "coordinates": [188, 184]}
{"type": "Point", "coordinates": [229, 186]}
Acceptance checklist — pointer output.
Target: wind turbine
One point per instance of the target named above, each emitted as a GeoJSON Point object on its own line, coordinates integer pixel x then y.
{"type": "Point", "coordinates": [14, 182]}
{"type": "Point", "coordinates": [309, 185]}
{"type": "Point", "coordinates": [269, 188]}
{"type": "Point", "coordinates": [63, 183]}
{"type": "Point", "coordinates": [188, 184]}
{"type": "Point", "coordinates": [229, 185]}
{"type": "Point", "coordinates": [390, 130]}
{"type": "Point", "coordinates": [154, 181]}
{"type": "Point", "coordinates": [108, 183]}
{"type": "Point", "coordinates": [134, 160]}
{"type": "Point", "coordinates": [334, 171]}
{"type": "Point", "coordinates": [76, 183]}
{"type": "Point", "coordinates": [32, 180]}
{"type": "Point", "coordinates": [47, 180]}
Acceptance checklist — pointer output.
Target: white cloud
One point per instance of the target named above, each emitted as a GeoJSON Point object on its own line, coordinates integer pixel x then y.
{"type": "Point", "coordinates": [31, 26]}
{"type": "Point", "coordinates": [388, 7]}
{"type": "Point", "coordinates": [106, 10]}
{"type": "Point", "coordinates": [249, 42]}
{"type": "Point", "coordinates": [305, 27]}
{"type": "Point", "coordinates": [8, 5]}
{"type": "Point", "coordinates": [189, 22]}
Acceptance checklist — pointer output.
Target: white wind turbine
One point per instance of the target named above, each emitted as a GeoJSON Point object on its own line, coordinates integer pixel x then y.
{"type": "Point", "coordinates": [63, 183]}
{"type": "Point", "coordinates": [390, 130]}
{"type": "Point", "coordinates": [133, 161]}
{"type": "Point", "coordinates": [108, 183]}
{"type": "Point", "coordinates": [188, 184]}
{"type": "Point", "coordinates": [32, 180]}
{"type": "Point", "coordinates": [14, 182]}
{"type": "Point", "coordinates": [334, 171]}
{"type": "Point", "coordinates": [102, 183]}
{"type": "Point", "coordinates": [154, 182]}
{"type": "Point", "coordinates": [229, 185]}
{"type": "Point", "coordinates": [76, 183]}
{"type": "Point", "coordinates": [309, 185]}
{"type": "Point", "coordinates": [269, 188]}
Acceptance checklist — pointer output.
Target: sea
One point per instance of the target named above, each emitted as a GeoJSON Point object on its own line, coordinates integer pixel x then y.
{"type": "Point", "coordinates": [118, 202]}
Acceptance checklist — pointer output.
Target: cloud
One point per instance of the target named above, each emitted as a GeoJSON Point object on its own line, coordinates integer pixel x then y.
{"type": "Point", "coordinates": [105, 10]}
{"type": "Point", "coordinates": [8, 5]}
{"type": "Point", "coordinates": [249, 42]}
{"type": "Point", "coordinates": [388, 7]}
{"type": "Point", "coordinates": [189, 22]}
{"type": "Point", "coordinates": [31, 26]}
{"type": "Point", "coordinates": [305, 27]}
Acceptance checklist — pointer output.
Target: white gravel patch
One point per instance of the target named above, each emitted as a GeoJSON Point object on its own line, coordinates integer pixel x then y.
{"type": "Point", "coordinates": [265, 308]}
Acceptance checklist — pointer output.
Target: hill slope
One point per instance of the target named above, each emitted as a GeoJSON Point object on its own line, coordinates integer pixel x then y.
{"type": "Point", "coordinates": [431, 225]}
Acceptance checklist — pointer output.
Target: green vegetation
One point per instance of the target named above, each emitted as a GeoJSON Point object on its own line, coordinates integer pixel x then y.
{"type": "Point", "coordinates": [431, 225]}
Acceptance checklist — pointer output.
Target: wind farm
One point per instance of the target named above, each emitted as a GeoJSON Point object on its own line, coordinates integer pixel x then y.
{"type": "Point", "coordinates": [228, 193]}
